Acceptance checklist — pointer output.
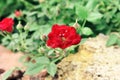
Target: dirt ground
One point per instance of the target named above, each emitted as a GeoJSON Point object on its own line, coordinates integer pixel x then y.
{"type": "Point", "coordinates": [8, 60]}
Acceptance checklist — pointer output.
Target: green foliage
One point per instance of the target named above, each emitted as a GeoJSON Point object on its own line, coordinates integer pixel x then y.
{"type": "Point", "coordinates": [8, 6]}
{"type": "Point", "coordinates": [94, 17]}
{"type": "Point", "coordinates": [118, 41]}
{"type": "Point", "coordinates": [81, 12]}
{"type": "Point", "coordinates": [114, 39]}
{"type": "Point", "coordinates": [51, 68]}
{"type": "Point", "coordinates": [34, 69]}
{"type": "Point", "coordinates": [41, 63]}
{"type": "Point", "coordinates": [7, 74]}
{"type": "Point", "coordinates": [42, 60]}
{"type": "Point", "coordinates": [87, 31]}
{"type": "Point", "coordinates": [100, 16]}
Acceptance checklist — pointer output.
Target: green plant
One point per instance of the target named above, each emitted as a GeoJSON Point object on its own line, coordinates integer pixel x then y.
{"type": "Point", "coordinates": [41, 64]}
{"type": "Point", "coordinates": [89, 17]}
{"type": "Point", "coordinates": [101, 16]}
{"type": "Point", "coordinates": [114, 39]}
{"type": "Point", "coordinates": [41, 56]}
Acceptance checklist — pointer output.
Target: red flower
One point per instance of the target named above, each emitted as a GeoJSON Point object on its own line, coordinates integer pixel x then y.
{"type": "Point", "coordinates": [62, 36]}
{"type": "Point", "coordinates": [7, 24]}
{"type": "Point", "coordinates": [18, 13]}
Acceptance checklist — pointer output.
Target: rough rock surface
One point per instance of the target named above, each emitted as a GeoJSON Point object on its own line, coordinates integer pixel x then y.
{"type": "Point", "coordinates": [94, 61]}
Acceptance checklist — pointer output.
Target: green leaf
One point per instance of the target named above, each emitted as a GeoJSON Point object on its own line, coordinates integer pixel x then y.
{"type": "Point", "coordinates": [52, 69]}
{"type": "Point", "coordinates": [94, 16]}
{"type": "Point", "coordinates": [50, 52]}
{"type": "Point", "coordinates": [34, 27]}
{"type": "Point", "coordinates": [81, 12]}
{"type": "Point", "coordinates": [101, 27]}
{"type": "Point", "coordinates": [15, 35]}
{"type": "Point", "coordinates": [42, 60]}
{"type": "Point", "coordinates": [7, 74]}
{"type": "Point", "coordinates": [9, 2]}
{"type": "Point", "coordinates": [34, 69]}
{"type": "Point", "coordinates": [118, 41]}
{"type": "Point", "coordinates": [87, 31]}
{"type": "Point", "coordinates": [112, 40]}
{"type": "Point", "coordinates": [45, 29]}
{"type": "Point", "coordinates": [83, 40]}
{"type": "Point", "coordinates": [91, 4]}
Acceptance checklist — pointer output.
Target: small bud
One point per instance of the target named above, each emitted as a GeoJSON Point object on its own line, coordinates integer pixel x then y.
{"type": "Point", "coordinates": [76, 25]}
{"type": "Point", "coordinates": [26, 27]}
{"type": "Point", "coordinates": [19, 26]}
{"type": "Point", "coordinates": [41, 1]}
{"type": "Point", "coordinates": [41, 50]}
{"type": "Point", "coordinates": [18, 13]}
{"type": "Point", "coordinates": [44, 38]}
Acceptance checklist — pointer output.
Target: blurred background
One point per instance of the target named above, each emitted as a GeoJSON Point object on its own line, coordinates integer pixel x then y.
{"type": "Point", "coordinates": [103, 15]}
{"type": "Point", "coordinates": [99, 16]}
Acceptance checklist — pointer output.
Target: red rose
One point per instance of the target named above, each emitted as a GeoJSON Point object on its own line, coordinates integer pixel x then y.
{"type": "Point", "coordinates": [7, 24]}
{"type": "Point", "coordinates": [62, 36]}
{"type": "Point", "coordinates": [18, 13]}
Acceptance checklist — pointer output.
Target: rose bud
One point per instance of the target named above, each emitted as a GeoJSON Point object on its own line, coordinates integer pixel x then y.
{"type": "Point", "coordinates": [18, 13]}
{"type": "Point", "coordinates": [26, 27]}
{"type": "Point", "coordinates": [19, 26]}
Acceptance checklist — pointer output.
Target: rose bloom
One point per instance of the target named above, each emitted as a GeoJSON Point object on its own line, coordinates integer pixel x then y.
{"type": "Point", "coordinates": [62, 36]}
{"type": "Point", "coordinates": [7, 25]}
{"type": "Point", "coordinates": [18, 13]}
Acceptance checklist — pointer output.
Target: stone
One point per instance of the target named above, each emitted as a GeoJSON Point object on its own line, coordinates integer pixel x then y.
{"type": "Point", "coordinates": [94, 61]}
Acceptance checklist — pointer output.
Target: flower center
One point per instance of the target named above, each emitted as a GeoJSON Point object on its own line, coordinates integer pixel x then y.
{"type": "Point", "coordinates": [63, 39]}
{"type": "Point", "coordinates": [62, 36]}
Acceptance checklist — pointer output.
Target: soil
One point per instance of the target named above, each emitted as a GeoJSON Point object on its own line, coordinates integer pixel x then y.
{"type": "Point", "coordinates": [8, 60]}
